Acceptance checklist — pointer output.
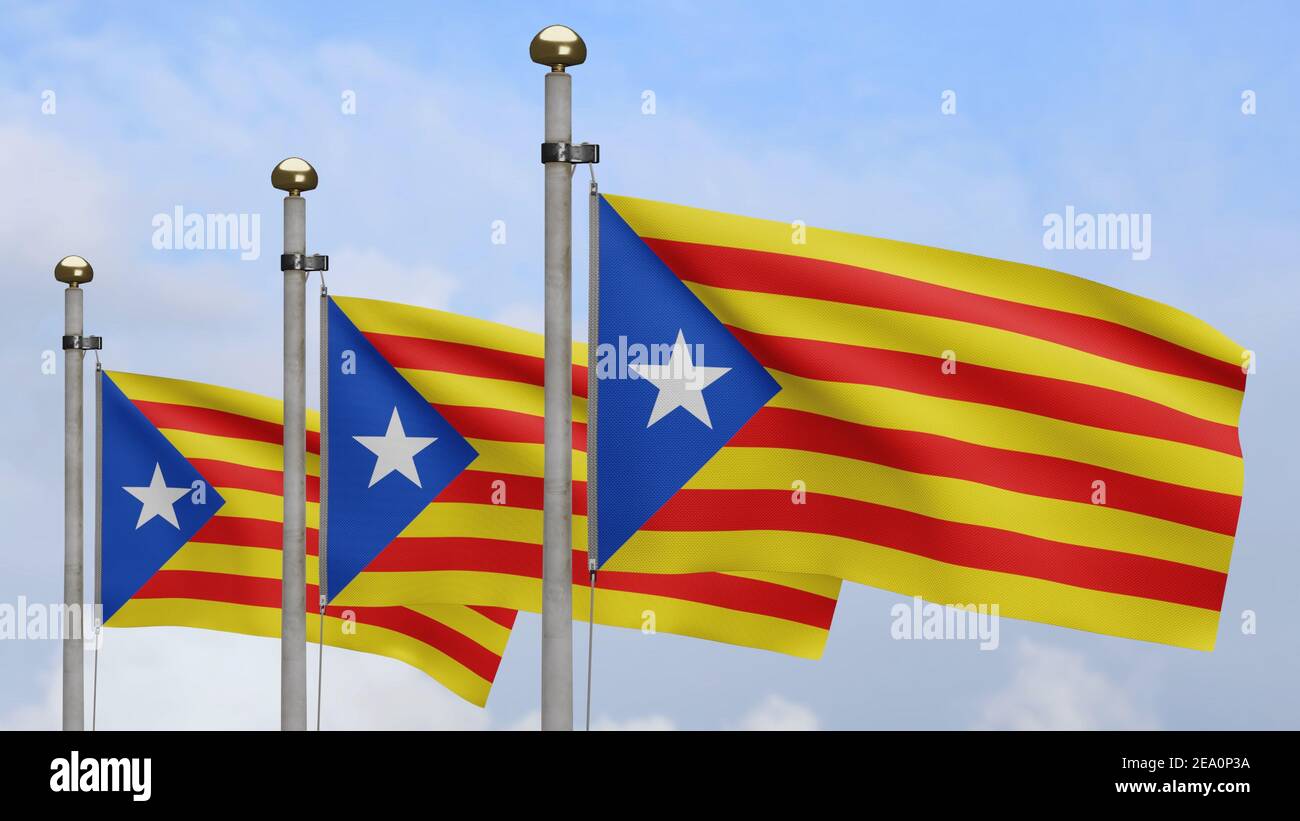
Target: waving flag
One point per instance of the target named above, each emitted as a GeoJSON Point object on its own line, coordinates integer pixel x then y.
{"type": "Point", "coordinates": [480, 539]}
{"type": "Point", "coordinates": [383, 471]}
{"type": "Point", "coordinates": [929, 422]}
{"type": "Point", "coordinates": [192, 507]}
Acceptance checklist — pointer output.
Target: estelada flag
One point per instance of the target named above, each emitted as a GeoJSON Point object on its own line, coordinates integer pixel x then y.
{"type": "Point", "coordinates": [416, 396]}
{"type": "Point", "coordinates": [937, 424]}
{"type": "Point", "coordinates": [191, 500]}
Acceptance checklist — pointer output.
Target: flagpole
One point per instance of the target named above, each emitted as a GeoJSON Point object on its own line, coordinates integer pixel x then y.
{"type": "Point", "coordinates": [294, 175]}
{"type": "Point", "coordinates": [74, 272]}
{"type": "Point", "coordinates": [557, 48]}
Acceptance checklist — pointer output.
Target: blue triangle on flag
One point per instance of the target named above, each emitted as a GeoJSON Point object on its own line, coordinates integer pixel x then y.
{"type": "Point", "coordinates": [153, 500]}
{"type": "Point", "coordinates": [654, 434]}
{"type": "Point", "coordinates": [390, 452]}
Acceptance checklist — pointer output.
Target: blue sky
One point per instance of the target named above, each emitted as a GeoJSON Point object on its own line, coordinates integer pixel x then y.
{"type": "Point", "coordinates": [829, 113]}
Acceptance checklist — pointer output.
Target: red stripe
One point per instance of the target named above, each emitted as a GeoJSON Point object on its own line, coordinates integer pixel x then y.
{"type": "Point", "coordinates": [476, 487]}
{"type": "Point", "coordinates": [471, 422]}
{"type": "Point", "coordinates": [838, 362]}
{"type": "Point", "coordinates": [1040, 395]}
{"type": "Point", "coordinates": [501, 615]}
{"type": "Point", "coordinates": [719, 590]}
{"type": "Point", "coordinates": [218, 423]}
{"type": "Point", "coordinates": [470, 360]}
{"type": "Point", "coordinates": [1045, 476]}
{"type": "Point", "coordinates": [503, 425]}
{"type": "Point", "coordinates": [469, 486]}
{"type": "Point", "coordinates": [253, 591]}
{"type": "Point", "coordinates": [242, 532]}
{"type": "Point", "coordinates": [974, 546]}
{"type": "Point", "coordinates": [230, 474]}
{"type": "Point", "coordinates": [788, 275]}
{"type": "Point", "coordinates": [441, 553]}
{"type": "Point", "coordinates": [460, 648]}
{"type": "Point", "coordinates": [427, 554]}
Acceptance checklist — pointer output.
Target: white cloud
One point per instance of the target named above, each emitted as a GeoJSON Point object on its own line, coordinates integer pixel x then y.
{"type": "Point", "coordinates": [650, 723]}
{"type": "Point", "coordinates": [529, 316]}
{"type": "Point", "coordinates": [44, 712]}
{"type": "Point", "coordinates": [60, 195]}
{"type": "Point", "coordinates": [772, 713]}
{"type": "Point", "coordinates": [371, 273]}
{"type": "Point", "coordinates": [530, 721]}
{"type": "Point", "coordinates": [1055, 689]}
{"type": "Point", "coordinates": [776, 713]}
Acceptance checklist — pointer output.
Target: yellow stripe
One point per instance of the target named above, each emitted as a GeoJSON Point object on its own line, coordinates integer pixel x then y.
{"type": "Point", "coordinates": [142, 388]}
{"type": "Point", "coordinates": [265, 621]}
{"type": "Point", "coordinates": [519, 458]}
{"type": "Point", "coordinates": [1159, 459]}
{"type": "Point", "coordinates": [828, 586]}
{"type": "Point", "coordinates": [444, 388]}
{"type": "Point", "coordinates": [639, 611]}
{"type": "Point", "coordinates": [377, 316]}
{"type": "Point", "coordinates": [527, 525]}
{"type": "Point", "coordinates": [254, 504]}
{"type": "Point", "coordinates": [957, 500]}
{"type": "Point", "coordinates": [973, 344]}
{"type": "Point", "coordinates": [524, 525]}
{"type": "Point", "coordinates": [443, 519]}
{"type": "Point", "coordinates": [996, 278]}
{"type": "Point", "coordinates": [236, 560]}
{"type": "Point", "coordinates": [370, 638]}
{"type": "Point", "coordinates": [1018, 597]}
{"type": "Point", "coordinates": [457, 520]}
{"type": "Point", "coordinates": [614, 608]}
{"type": "Point", "coordinates": [467, 622]}
{"type": "Point", "coordinates": [244, 452]}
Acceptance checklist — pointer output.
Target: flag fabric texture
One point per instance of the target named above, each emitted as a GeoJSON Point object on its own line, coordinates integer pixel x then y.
{"type": "Point", "coordinates": [192, 483]}
{"type": "Point", "coordinates": [960, 428]}
{"type": "Point", "coordinates": [390, 452]}
{"type": "Point", "coordinates": [479, 541]}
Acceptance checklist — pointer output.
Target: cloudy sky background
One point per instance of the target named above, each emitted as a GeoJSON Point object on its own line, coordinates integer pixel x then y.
{"type": "Point", "coordinates": [825, 113]}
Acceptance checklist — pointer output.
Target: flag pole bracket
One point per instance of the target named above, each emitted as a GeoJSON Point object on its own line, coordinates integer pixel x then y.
{"type": "Point", "coordinates": [573, 153]}
{"type": "Point", "coordinates": [73, 342]}
{"type": "Point", "coordinates": [304, 262]}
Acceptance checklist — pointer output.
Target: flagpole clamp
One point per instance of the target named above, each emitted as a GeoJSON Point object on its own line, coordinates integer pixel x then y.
{"type": "Point", "coordinates": [304, 262]}
{"type": "Point", "coordinates": [73, 342]}
{"type": "Point", "coordinates": [573, 153]}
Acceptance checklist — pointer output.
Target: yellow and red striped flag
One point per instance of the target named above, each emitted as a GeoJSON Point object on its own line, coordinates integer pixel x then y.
{"type": "Point", "coordinates": [968, 430]}
{"type": "Point", "coordinates": [480, 540]}
{"type": "Point", "coordinates": [226, 576]}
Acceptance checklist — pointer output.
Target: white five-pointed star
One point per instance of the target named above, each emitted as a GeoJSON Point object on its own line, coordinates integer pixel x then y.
{"type": "Point", "coordinates": [681, 383]}
{"type": "Point", "coordinates": [157, 499]}
{"type": "Point", "coordinates": [395, 451]}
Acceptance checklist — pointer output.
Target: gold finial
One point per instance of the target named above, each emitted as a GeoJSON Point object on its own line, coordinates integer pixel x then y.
{"type": "Point", "coordinates": [558, 47]}
{"type": "Point", "coordinates": [73, 271]}
{"type": "Point", "coordinates": [294, 175]}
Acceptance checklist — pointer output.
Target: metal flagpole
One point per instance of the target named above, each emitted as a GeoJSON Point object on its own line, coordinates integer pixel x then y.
{"type": "Point", "coordinates": [99, 536]}
{"type": "Point", "coordinates": [74, 272]}
{"type": "Point", "coordinates": [558, 47]}
{"type": "Point", "coordinates": [294, 175]}
{"type": "Point", "coordinates": [322, 527]}
{"type": "Point", "coordinates": [593, 343]}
